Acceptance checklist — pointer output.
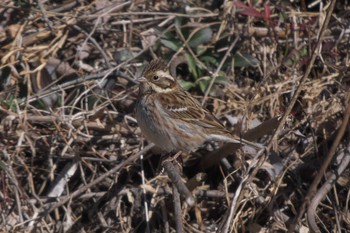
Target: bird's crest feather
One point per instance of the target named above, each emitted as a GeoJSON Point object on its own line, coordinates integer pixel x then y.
{"type": "Point", "coordinates": [155, 65]}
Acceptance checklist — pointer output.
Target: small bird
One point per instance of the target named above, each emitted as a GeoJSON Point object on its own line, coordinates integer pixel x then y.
{"type": "Point", "coordinates": [171, 118]}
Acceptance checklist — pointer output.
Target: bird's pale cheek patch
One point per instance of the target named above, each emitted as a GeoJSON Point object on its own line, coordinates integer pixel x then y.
{"type": "Point", "coordinates": [159, 89]}
{"type": "Point", "coordinates": [161, 73]}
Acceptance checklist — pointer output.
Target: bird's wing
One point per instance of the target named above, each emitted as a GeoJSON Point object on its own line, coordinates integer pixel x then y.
{"type": "Point", "coordinates": [181, 105]}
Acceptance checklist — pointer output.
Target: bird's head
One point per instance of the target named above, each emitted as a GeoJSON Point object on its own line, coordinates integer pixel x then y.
{"type": "Point", "coordinates": [157, 78]}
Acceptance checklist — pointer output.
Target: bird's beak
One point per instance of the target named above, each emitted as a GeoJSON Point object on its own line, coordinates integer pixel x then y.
{"type": "Point", "coordinates": [142, 79]}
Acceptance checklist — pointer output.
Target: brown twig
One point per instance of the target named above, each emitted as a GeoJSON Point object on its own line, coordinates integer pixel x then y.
{"type": "Point", "coordinates": [323, 168]}
{"type": "Point", "coordinates": [215, 75]}
{"type": "Point", "coordinates": [238, 193]}
{"type": "Point", "coordinates": [166, 228]}
{"type": "Point", "coordinates": [94, 42]}
{"type": "Point", "coordinates": [175, 178]}
{"type": "Point", "coordinates": [177, 209]}
{"type": "Point", "coordinates": [208, 15]}
{"type": "Point", "coordinates": [54, 87]}
{"type": "Point", "coordinates": [43, 11]}
{"type": "Point", "coordinates": [326, 187]}
{"type": "Point", "coordinates": [294, 100]}
{"type": "Point", "coordinates": [78, 192]}
{"type": "Point", "coordinates": [196, 181]}
{"type": "Point", "coordinates": [305, 76]}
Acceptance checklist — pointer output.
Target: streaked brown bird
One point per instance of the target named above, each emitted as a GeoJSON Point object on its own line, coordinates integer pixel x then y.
{"type": "Point", "coordinates": [171, 118]}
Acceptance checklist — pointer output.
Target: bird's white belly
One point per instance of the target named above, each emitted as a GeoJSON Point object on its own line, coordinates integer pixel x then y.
{"type": "Point", "coordinates": [164, 136]}
{"type": "Point", "coordinates": [152, 130]}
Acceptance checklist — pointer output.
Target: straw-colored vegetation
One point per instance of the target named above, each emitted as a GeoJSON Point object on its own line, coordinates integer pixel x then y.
{"type": "Point", "coordinates": [70, 147]}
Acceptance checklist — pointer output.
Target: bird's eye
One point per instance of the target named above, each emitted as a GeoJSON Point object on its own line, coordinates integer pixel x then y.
{"type": "Point", "coordinates": [155, 77]}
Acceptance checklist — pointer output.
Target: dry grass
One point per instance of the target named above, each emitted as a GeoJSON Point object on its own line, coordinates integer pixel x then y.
{"type": "Point", "coordinates": [70, 146]}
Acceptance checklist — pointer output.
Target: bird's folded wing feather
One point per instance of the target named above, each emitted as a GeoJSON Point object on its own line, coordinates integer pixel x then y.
{"type": "Point", "coordinates": [183, 106]}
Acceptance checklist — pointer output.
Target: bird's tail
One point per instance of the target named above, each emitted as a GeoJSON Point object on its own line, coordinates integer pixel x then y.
{"type": "Point", "coordinates": [232, 139]}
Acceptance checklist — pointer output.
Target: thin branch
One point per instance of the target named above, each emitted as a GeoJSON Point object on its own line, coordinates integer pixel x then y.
{"type": "Point", "coordinates": [98, 180]}
{"type": "Point", "coordinates": [326, 187]}
{"type": "Point", "coordinates": [215, 75]}
{"type": "Point", "coordinates": [323, 168]}
{"type": "Point", "coordinates": [175, 178]}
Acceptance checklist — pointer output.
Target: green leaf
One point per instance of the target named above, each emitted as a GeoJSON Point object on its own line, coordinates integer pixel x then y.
{"type": "Point", "coordinates": [171, 44]}
{"type": "Point", "coordinates": [209, 59]}
{"type": "Point", "coordinates": [192, 66]}
{"type": "Point", "coordinates": [303, 51]}
{"type": "Point", "coordinates": [124, 55]}
{"type": "Point", "coordinates": [245, 60]}
{"type": "Point", "coordinates": [204, 83]}
{"type": "Point", "coordinates": [3, 166]}
{"type": "Point", "coordinates": [202, 36]}
{"type": "Point", "coordinates": [221, 79]}
{"type": "Point", "coordinates": [186, 85]}
{"type": "Point", "coordinates": [179, 21]}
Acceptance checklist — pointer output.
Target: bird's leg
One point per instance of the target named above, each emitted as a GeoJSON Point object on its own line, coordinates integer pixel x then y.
{"type": "Point", "coordinates": [172, 158]}
{"type": "Point", "coordinates": [176, 155]}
